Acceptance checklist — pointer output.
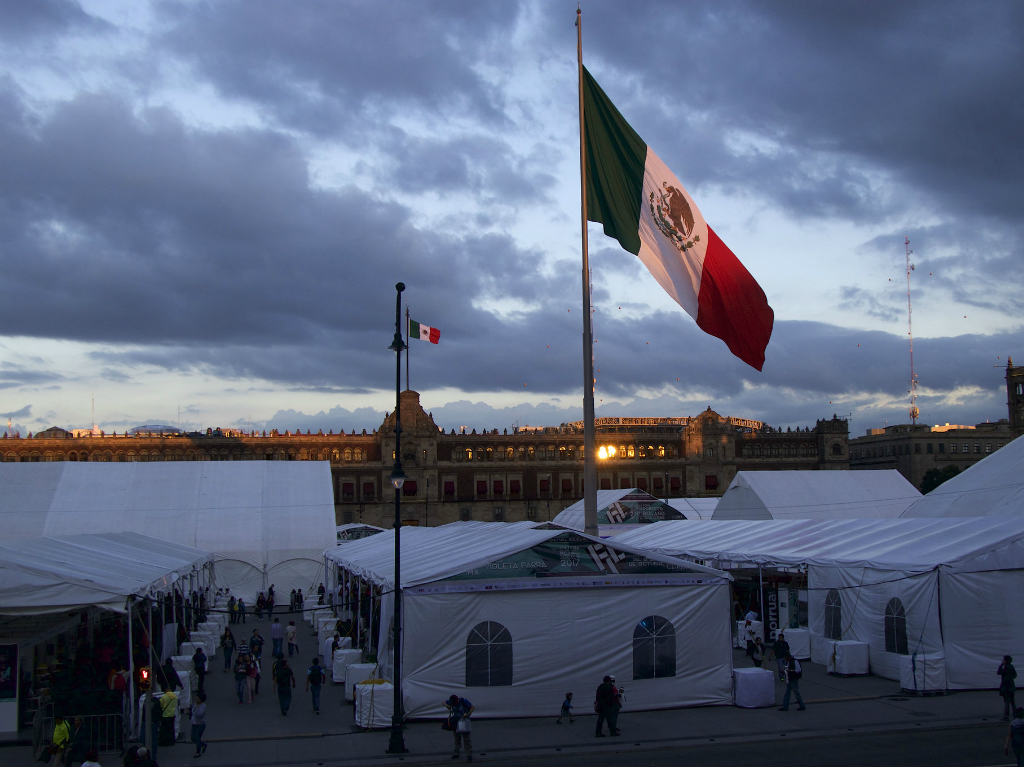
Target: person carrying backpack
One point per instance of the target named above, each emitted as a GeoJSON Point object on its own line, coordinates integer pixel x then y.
{"type": "Point", "coordinates": [314, 681]}
{"type": "Point", "coordinates": [793, 673]}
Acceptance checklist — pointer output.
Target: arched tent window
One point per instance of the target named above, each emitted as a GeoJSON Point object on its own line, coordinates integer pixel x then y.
{"type": "Point", "coordinates": [488, 655]}
{"type": "Point", "coordinates": [833, 615]}
{"type": "Point", "coordinates": [654, 648]}
{"type": "Point", "coordinates": [895, 627]}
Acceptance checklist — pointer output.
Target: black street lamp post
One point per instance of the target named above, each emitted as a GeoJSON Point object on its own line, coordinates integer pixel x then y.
{"type": "Point", "coordinates": [396, 745]}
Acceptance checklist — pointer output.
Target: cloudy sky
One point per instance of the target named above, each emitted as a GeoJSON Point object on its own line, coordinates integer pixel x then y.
{"type": "Point", "coordinates": [205, 206]}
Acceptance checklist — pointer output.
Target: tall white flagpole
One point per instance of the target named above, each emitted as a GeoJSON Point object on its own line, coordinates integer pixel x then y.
{"type": "Point", "coordinates": [589, 451]}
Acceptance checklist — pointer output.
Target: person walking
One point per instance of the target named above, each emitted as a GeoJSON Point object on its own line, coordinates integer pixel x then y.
{"type": "Point", "coordinates": [1007, 686]}
{"type": "Point", "coordinates": [198, 720]}
{"type": "Point", "coordinates": [314, 681]}
{"type": "Point", "coordinates": [256, 644]}
{"type": "Point", "coordinates": [566, 712]}
{"type": "Point", "coordinates": [289, 634]}
{"type": "Point", "coordinates": [780, 648]}
{"type": "Point", "coordinates": [227, 644]}
{"type": "Point", "coordinates": [757, 654]}
{"type": "Point", "coordinates": [284, 679]}
{"type": "Point", "coordinates": [793, 673]}
{"type": "Point", "coordinates": [60, 740]}
{"type": "Point", "coordinates": [232, 610]}
{"type": "Point", "coordinates": [607, 705]}
{"type": "Point", "coordinates": [1015, 736]}
{"type": "Point", "coordinates": [199, 665]}
{"type": "Point", "coordinates": [79, 743]}
{"type": "Point", "coordinates": [168, 712]}
{"type": "Point", "coordinates": [459, 711]}
{"type": "Point", "coordinates": [261, 605]}
{"type": "Point", "coordinates": [241, 677]}
{"type": "Point", "coordinates": [240, 605]}
{"type": "Point", "coordinates": [276, 637]}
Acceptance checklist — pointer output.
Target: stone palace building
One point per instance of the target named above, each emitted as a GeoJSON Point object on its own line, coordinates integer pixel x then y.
{"type": "Point", "coordinates": [528, 473]}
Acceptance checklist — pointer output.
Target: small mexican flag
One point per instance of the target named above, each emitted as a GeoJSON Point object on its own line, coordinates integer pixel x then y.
{"type": "Point", "coordinates": [423, 332]}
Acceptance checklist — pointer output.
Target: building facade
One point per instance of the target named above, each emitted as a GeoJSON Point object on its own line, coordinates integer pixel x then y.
{"type": "Point", "coordinates": [528, 473]}
{"type": "Point", "coordinates": [916, 449]}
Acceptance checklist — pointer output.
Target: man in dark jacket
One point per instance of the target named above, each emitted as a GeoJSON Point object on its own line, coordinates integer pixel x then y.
{"type": "Point", "coordinates": [607, 704]}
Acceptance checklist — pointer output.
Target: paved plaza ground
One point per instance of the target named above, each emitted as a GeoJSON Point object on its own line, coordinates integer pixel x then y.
{"type": "Point", "coordinates": [255, 734]}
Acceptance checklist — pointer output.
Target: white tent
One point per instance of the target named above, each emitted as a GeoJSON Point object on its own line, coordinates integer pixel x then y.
{"type": "Point", "coordinates": [620, 510]}
{"type": "Point", "coordinates": [355, 530]}
{"type": "Point", "coordinates": [265, 521]}
{"type": "Point", "coordinates": [816, 495]}
{"type": "Point", "coordinates": [993, 486]}
{"type": "Point", "coordinates": [508, 615]}
{"type": "Point", "coordinates": [694, 508]}
{"type": "Point", "coordinates": [955, 581]}
{"type": "Point", "coordinates": [49, 575]}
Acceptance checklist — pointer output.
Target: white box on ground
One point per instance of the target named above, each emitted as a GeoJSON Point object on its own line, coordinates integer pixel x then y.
{"type": "Point", "coordinates": [923, 673]}
{"type": "Point", "coordinates": [356, 673]}
{"type": "Point", "coordinates": [375, 704]}
{"type": "Point", "coordinates": [755, 687]}
{"type": "Point", "coordinates": [848, 657]}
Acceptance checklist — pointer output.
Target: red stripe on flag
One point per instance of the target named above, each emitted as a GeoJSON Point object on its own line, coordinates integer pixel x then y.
{"type": "Point", "coordinates": [732, 306]}
{"type": "Point", "coordinates": [435, 335]}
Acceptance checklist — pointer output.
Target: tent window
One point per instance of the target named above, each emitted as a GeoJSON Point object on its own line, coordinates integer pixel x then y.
{"type": "Point", "coordinates": [895, 627]}
{"type": "Point", "coordinates": [654, 648]}
{"type": "Point", "coordinates": [488, 656]}
{"type": "Point", "coordinates": [833, 615]}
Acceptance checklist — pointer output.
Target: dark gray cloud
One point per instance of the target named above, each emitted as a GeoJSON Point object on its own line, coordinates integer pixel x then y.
{"type": "Point", "coordinates": [186, 247]}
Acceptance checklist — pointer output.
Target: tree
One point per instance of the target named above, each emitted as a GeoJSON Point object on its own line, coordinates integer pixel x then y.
{"type": "Point", "coordinates": [935, 477]}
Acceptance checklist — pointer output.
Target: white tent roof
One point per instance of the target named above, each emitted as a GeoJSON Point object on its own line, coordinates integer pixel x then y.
{"type": "Point", "coordinates": [435, 553]}
{"type": "Point", "coordinates": [260, 513]}
{"type": "Point", "coordinates": [694, 508]}
{"type": "Point", "coordinates": [992, 486]}
{"type": "Point", "coordinates": [571, 517]}
{"type": "Point", "coordinates": [816, 495]}
{"type": "Point", "coordinates": [42, 575]}
{"type": "Point", "coordinates": [885, 543]}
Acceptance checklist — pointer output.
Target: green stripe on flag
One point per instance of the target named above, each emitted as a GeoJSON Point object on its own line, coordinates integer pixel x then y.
{"type": "Point", "coordinates": [616, 156]}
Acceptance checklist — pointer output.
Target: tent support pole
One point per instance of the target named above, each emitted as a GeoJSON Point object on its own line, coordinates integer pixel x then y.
{"type": "Point", "coordinates": [148, 709]}
{"type": "Point", "coordinates": [132, 717]}
{"type": "Point", "coordinates": [760, 593]}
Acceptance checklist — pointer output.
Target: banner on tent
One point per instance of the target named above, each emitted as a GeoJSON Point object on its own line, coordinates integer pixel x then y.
{"type": "Point", "coordinates": [573, 556]}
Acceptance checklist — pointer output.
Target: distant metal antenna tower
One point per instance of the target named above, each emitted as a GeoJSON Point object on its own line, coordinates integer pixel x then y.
{"type": "Point", "coordinates": [914, 412]}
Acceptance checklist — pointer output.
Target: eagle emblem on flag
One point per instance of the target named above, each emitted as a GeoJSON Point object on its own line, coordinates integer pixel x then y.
{"type": "Point", "coordinates": [673, 216]}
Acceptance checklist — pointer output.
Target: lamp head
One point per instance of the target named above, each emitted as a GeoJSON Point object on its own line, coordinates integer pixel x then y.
{"type": "Point", "coordinates": [397, 476]}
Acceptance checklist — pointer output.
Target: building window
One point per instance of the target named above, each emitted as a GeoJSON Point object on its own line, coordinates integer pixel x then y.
{"type": "Point", "coordinates": [409, 487]}
{"type": "Point", "coordinates": [488, 655]}
{"type": "Point", "coordinates": [481, 488]}
{"type": "Point", "coordinates": [499, 487]}
{"type": "Point", "coordinates": [675, 484]}
{"type": "Point", "coordinates": [514, 487]}
{"type": "Point", "coordinates": [661, 451]}
{"type": "Point", "coordinates": [499, 513]}
{"type": "Point", "coordinates": [641, 483]}
{"type": "Point", "coordinates": [566, 486]}
{"type": "Point", "coordinates": [369, 491]}
{"type": "Point", "coordinates": [952, 447]}
{"type": "Point", "coordinates": [710, 481]}
{"type": "Point", "coordinates": [468, 453]}
{"type": "Point", "coordinates": [977, 447]}
{"type": "Point", "coordinates": [988, 447]}
{"type": "Point", "coordinates": [833, 615]}
{"type": "Point", "coordinates": [917, 448]}
{"type": "Point", "coordinates": [606, 484]}
{"type": "Point", "coordinates": [654, 648]}
{"type": "Point", "coordinates": [545, 485]}
{"type": "Point", "coordinates": [449, 488]}
{"type": "Point", "coordinates": [348, 491]}
{"type": "Point", "coordinates": [895, 627]}
{"type": "Point", "coordinates": [510, 453]}
{"type": "Point", "coordinates": [657, 484]}
{"type": "Point", "coordinates": [928, 448]}
{"type": "Point", "coordinates": [942, 447]}
{"type": "Point", "coordinates": [625, 483]}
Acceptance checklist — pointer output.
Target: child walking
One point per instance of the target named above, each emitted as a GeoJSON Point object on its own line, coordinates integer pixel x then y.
{"type": "Point", "coordinates": [566, 712]}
